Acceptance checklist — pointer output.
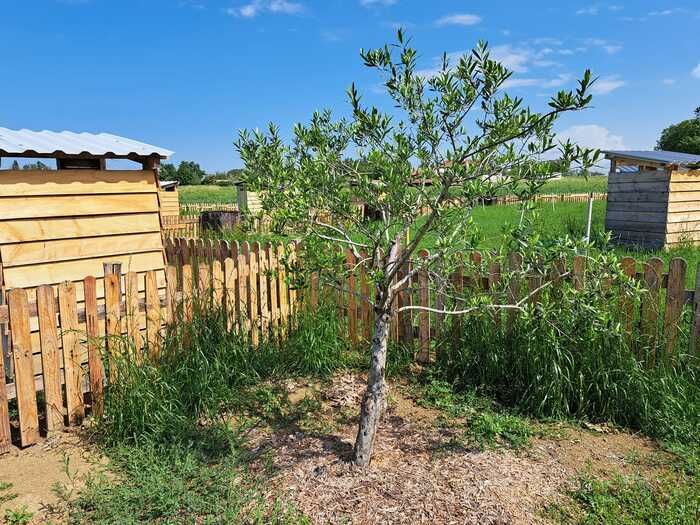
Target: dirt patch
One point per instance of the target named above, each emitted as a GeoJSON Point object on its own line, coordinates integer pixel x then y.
{"type": "Point", "coordinates": [34, 471]}
{"type": "Point", "coordinates": [422, 474]}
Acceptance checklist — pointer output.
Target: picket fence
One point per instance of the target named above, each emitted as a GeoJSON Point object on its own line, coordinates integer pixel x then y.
{"type": "Point", "coordinates": [58, 343]}
{"type": "Point", "coordinates": [195, 208]}
{"type": "Point", "coordinates": [564, 197]}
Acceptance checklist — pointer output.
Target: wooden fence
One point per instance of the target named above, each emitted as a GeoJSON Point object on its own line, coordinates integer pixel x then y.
{"type": "Point", "coordinates": [195, 208]}
{"type": "Point", "coordinates": [564, 197]}
{"type": "Point", "coordinates": [57, 343]}
{"type": "Point", "coordinates": [179, 226]}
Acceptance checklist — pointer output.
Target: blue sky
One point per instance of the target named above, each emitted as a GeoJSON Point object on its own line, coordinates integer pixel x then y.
{"type": "Point", "coordinates": [188, 74]}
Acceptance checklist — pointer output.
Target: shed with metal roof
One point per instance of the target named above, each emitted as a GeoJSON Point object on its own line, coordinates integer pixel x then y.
{"type": "Point", "coordinates": [66, 223]}
{"type": "Point", "coordinates": [653, 198]}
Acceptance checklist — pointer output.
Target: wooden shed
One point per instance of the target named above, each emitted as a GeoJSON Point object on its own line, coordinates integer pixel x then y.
{"type": "Point", "coordinates": [169, 199]}
{"type": "Point", "coordinates": [64, 224]}
{"type": "Point", "coordinates": [653, 198]}
{"type": "Point", "coordinates": [248, 201]}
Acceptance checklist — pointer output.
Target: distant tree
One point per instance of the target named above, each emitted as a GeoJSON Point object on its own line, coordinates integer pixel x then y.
{"type": "Point", "coordinates": [168, 171]}
{"type": "Point", "coordinates": [683, 137]}
{"type": "Point", "coordinates": [189, 173]}
{"type": "Point", "coordinates": [15, 165]}
{"type": "Point", "coordinates": [36, 166]}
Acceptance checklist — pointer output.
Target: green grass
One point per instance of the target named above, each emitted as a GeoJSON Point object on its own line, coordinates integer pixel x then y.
{"type": "Point", "coordinates": [208, 194]}
{"type": "Point", "coordinates": [594, 183]}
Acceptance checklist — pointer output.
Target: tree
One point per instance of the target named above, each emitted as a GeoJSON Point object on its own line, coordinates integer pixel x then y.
{"type": "Point", "coordinates": [189, 173]}
{"type": "Point", "coordinates": [683, 137]}
{"type": "Point", "coordinates": [38, 165]}
{"type": "Point", "coordinates": [15, 165]}
{"type": "Point", "coordinates": [466, 140]}
{"type": "Point", "coordinates": [168, 171]}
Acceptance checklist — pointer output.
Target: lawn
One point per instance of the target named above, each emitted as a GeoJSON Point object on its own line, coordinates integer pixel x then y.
{"type": "Point", "coordinates": [594, 183]}
{"type": "Point", "coordinates": [208, 194]}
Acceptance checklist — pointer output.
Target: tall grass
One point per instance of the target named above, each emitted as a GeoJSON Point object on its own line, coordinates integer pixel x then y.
{"type": "Point", "coordinates": [202, 369]}
{"type": "Point", "coordinates": [570, 356]}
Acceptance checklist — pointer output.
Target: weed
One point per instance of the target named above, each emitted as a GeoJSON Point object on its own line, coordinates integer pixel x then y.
{"type": "Point", "coordinates": [491, 430]}
{"type": "Point", "coordinates": [5, 495]}
{"type": "Point", "coordinates": [19, 516]}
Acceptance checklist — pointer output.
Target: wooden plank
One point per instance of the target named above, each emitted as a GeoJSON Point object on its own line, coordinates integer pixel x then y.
{"type": "Point", "coordinates": [690, 216]}
{"type": "Point", "coordinates": [636, 216]}
{"type": "Point", "coordinates": [274, 287]}
{"type": "Point", "coordinates": [629, 268]}
{"type": "Point", "coordinates": [683, 196]}
{"type": "Point", "coordinates": [632, 226]}
{"type": "Point", "coordinates": [29, 230]}
{"type": "Point", "coordinates": [94, 345]}
{"type": "Point", "coordinates": [23, 367]}
{"type": "Point", "coordinates": [5, 433]}
{"type": "Point", "coordinates": [352, 298]}
{"type": "Point", "coordinates": [39, 252]}
{"type": "Point", "coordinates": [515, 264]}
{"type": "Point", "coordinates": [217, 279]}
{"type": "Point", "coordinates": [51, 357]}
{"type": "Point", "coordinates": [314, 290]}
{"type": "Point", "coordinates": [658, 197]}
{"type": "Point", "coordinates": [284, 289]}
{"type": "Point", "coordinates": [230, 287]}
{"type": "Point", "coordinates": [71, 353]}
{"type": "Point", "coordinates": [424, 315]}
{"type": "Point", "coordinates": [113, 322]}
{"type": "Point", "coordinates": [54, 273]}
{"type": "Point", "coordinates": [695, 330]}
{"type": "Point", "coordinates": [154, 318]}
{"type": "Point", "coordinates": [171, 303]}
{"type": "Point", "coordinates": [187, 293]}
{"type": "Point", "coordinates": [264, 290]}
{"type": "Point", "coordinates": [640, 177]}
{"type": "Point", "coordinates": [494, 281]}
{"type": "Point", "coordinates": [638, 187]}
{"type": "Point", "coordinates": [366, 307]}
{"type": "Point", "coordinates": [26, 183]}
{"type": "Point", "coordinates": [75, 205]}
{"type": "Point", "coordinates": [132, 314]}
{"type": "Point", "coordinates": [243, 285]}
{"type": "Point", "coordinates": [675, 186]}
{"type": "Point", "coordinates": [684, 206]}
{"type": "Point", "coordinates": [253, 295]}
{"type": "Point", "coordinates": [653, 270]}
{"type": "Point", "coordinates": [204, 284]}
{"type": "Point", "coordinates": [675, 300]}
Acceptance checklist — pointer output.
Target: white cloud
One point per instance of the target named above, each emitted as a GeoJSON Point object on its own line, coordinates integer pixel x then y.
{"type": "Point", "coordinates": [257, 7]}
{"type": "Point", "coordinates": [605, 85]}
{"type": "Point", "coordinates": [668, 81]}
{"type": "Point", "coordinates": [459, 19]}
{"type": "Point", "coordinates": [515, 59]}
{"type": "Point", "coordinates": [590, 10]}
{"type": "Point", "coordinates": [595, 9]}
{"type": "Point", "coordinates": [609, 47]}
{"type": "Point", "coordinates": [592, 136]}
{"type": "Point", "coordinates": [555, 82]}
{"type": "Point", "coordinates": [696, 72]}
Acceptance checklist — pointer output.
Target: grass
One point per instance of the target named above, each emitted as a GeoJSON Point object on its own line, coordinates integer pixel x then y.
{"type": "Point", "coordinates": [208, 194]}
{"type": "Point", "coordinates": [594, 183]}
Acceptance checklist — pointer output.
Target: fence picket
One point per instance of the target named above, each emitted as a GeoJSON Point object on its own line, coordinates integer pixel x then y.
{"type": "Point", "coordinates": [171, 286]}
{"type": "Point", "coordinates": [230, 285]}
{"type": "Point", "coordinates": [579, 272]}
{"type": "Point", "coordinates": [284, 289]}
{"type": "Point", "coordinates": [243, 287]}
{"type": "Point", "coordinates": [154, 319]}
{"type": "Point", "coordinates": [50, 357]}
{"type": "Point", "coordinates": [24, 366]}
{"type": "Point", "coordinates": [650, 304]}
{"type": "Point", "coordinates": [352, 298]}
{"type": "Point", "coordinates": [695, 329]}
{"type": "Point", "coordinates": [112, 320]}
{"type": "Point", "coordinates": [133, 330]}
{"type": "Point", "coordinates": [675, 300]}
{"type": "Point", "coordinates": [5, 433]}
{"type": "Point", "coordinates": [72, 370]}
{"type": "Point", "coordinates": [515, 264]}
{"type": "Point", "coordinates": [424, 315]}
{"type": "Point", "coordinates": [187, 291]}
{"type": "Point", "coordinates": [254, 297]}
{"type": "Point", "coordinates": [94, 346]}
{"type": "Point", "coordinates": [274, 288]}
{"type": "Point", "coordinates": [405, 318]}
{"type": "Point", "coordinates": [629, 268]}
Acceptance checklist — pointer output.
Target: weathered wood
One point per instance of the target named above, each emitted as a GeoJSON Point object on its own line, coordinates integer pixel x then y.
{"type": "Point", "coordinates": [50, 358]}
{"type": "Point", "coordinates": [75, 205]}
{"type": "Point", "coordinates": [579, 272]}
{"type": "Point", "coordinates": [230, 287]}
{"type": "Point", "coordinates": [113, 321]}
{"type": "Point", "coordinates": [629, 268]}
{"type": "Point", "coordinates": [94, 346]}
{"type": "Point", "coordinates": [695, 329]}
{"type": "Point", "coordinates": [28, 183]}
{"type": "Point", "coordinates": [154, 319]}
{"type": "Point", "coordinates": [217, 279]}
{"type": "Point", "coordinates": [24, 368]}
{"type": "Point", "coordinates": [273, 286]}
{"type": "Point", "coordinates": [171, 302]}
{"type": "Point", "coordinates": [71, 353]}
{"type": "Point", "coordinates": [284, 288]}
{"type": "Point", "coordinates": [187, 293]}
{"type": "Point", "coordinates": [424, 315]}
{"type": "Point", "coordinates": [5, 433]}
{"type": "Point", "coordinates": [133, 329]}
{"type": "Point", "coordinates": [352, 298]}
{"type": "Point", "coordinates": [649, 315]}
{"type": "Point", "coordinates": [253, 294]}
{"type": "Point", "coordinates": [314, 290]}
{"type": "Point", "coordinates": [515, 264]}
{"type": "Point", "coordinates": [675, 300]}
{"type": "Point", "coordinates": [243, 285]}
{"type": "Point", "coordinates": [494, 281]}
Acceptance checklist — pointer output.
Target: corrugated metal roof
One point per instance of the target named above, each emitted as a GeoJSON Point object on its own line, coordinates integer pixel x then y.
{"type": "Point", "coordinates": [165, 184]}
{"type": "Point", "coordinates": [661, 157]}
{"type": "Point", "coordinates": [22, 142]}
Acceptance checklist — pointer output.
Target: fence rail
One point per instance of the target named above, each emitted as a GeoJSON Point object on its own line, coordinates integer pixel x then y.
{"type": "Point", "coordinates": [195, 208]}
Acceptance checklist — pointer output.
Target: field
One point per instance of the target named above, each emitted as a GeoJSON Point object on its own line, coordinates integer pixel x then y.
{"type": "Point", "coordinates": [208, 194]}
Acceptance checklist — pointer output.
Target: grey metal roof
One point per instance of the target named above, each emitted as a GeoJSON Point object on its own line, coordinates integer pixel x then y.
{"type": "Point", "coordinates": [165, 184]}
{"type": "Point", "coordinates": [657, 156]}
{"type": "Point", "coordinates": [24, 142]}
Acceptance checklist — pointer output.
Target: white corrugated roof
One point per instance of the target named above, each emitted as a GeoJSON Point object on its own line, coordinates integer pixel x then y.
{"type": "Point", "coordinates": [21, 142]}
{"type": "Point", "coordinates": [662, 157]}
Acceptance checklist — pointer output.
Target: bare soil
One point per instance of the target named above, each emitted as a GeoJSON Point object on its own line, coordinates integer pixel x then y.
{"type": "Point", "coordinates": [420, 473]}
{"type": "Point", "coordinates": [61, 460]}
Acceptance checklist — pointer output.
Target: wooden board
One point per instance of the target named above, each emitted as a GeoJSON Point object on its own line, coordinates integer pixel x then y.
{"type": "Point", "coordinates": [637, 216]}
{"type": "Point", "coordinates": [51, 358]}
{"type": "Point", "coordinates": [70, 334]}
{"type": "Point", "coordinates": [75, 182]}
{"type": "Point", "coordinates": [52, 273]}
{"type": "Point", "coordinates": [94, 346]}
{"type": "Point", "coordinates": [75, 205]}
{"type": "Point", "coordinates": [40, 252]}
{"type": "Point", "coordinates": [28, 230]}
{"type": "Point", "coordinates": [640, 176]}
{"type": "Point", "coordinates": [638, 187]}
{"type": "Point", "coordinates": [24, 368]}
{"type": "Point", "coordinates": [651, 197]}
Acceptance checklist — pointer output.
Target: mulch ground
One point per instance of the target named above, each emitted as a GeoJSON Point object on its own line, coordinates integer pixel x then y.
{"type": "Point", "coordinates": [419, 473]}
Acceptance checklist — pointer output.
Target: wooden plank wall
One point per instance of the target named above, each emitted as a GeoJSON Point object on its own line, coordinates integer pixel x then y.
{"type": "Point", "coordinates": [683, 222]}
{"type": "Point", "coordinates": [169, 203]}
{"type": "Point", "coordinates": [637, 207]}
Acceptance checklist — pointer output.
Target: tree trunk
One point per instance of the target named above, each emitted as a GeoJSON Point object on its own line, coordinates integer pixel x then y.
{"type": "Point", "coordinates": [374, 400]}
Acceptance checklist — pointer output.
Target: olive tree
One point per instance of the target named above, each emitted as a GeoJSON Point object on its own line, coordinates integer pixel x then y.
{"type": "Point", "coordinates": [448, 139]}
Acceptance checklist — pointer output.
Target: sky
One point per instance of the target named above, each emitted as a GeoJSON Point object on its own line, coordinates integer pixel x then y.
{"type": "Point", "coordinates": [187, 75]}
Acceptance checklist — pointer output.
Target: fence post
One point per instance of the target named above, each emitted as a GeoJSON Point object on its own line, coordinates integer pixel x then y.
{"type": "Point", "coordinates": [629, 268]}
{"type": "Point", "coordinates": [695, 331]}
{"type": "Point", "coordinates": [352, 299]}
{"type": "Point", "coordinates": [93, 344]}
{"type": "Point", "coordinates": [284, 289]}
{"type": "Point", "coordinates": [424, 315]}
{"type": "Point", "coordinates": [24, 367]}
{"type": "Point", "coordinates": [153, 315]}
{"type": "Point", "coordinates": [675, 300]}
{"type": "Point", "coordinates": [132, 313]}
{"type": "Point", "coordinates": [650, 304]}
{"type": "Point", "coordinates": [515, 264]}
{"type": "Point", "coordinates": [71, 352]}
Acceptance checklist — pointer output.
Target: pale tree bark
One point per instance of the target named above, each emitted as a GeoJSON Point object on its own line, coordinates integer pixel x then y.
{"type": "Point", "coordinates": [374, 401]}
